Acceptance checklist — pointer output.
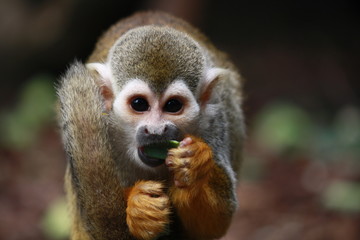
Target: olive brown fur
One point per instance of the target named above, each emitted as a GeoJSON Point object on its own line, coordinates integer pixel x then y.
{"type": "Point", "coordinates": [111, 197]}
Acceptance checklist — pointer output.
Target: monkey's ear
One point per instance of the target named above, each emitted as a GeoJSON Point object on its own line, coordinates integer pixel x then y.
{"type": "Point", "coordinates": [210, 80]}
{"type": "Point", "coordinates": [104, 81]}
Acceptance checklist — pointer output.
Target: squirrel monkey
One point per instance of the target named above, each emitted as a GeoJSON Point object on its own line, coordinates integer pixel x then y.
{"type": "Point", "coordinates": [151, 78]}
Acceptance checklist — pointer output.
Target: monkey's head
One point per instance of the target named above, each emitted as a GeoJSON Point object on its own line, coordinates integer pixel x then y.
{"type": "Point", "coordinates": [157, 81]}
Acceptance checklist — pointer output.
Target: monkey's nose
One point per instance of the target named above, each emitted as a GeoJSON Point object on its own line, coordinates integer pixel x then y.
{"type": "Point", "coordinates": [146, 131]}
{"type": "Point", "coordinates": [155, 130]}
{"type": "Point", "coordinates": [150, 134]}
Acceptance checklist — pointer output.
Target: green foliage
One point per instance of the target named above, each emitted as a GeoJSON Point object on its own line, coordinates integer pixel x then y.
{"type": "Point", "coordinates": [340, 139]}
{"type": "Point", "coordinates": [342, 196]}
{"type": "Point", "coordinates": [56, 222]}
{"type": "Point", "coordinates": [347, 127]}
{"type": "Point", "coordinates": [282, 127]}
{"type": "Point", "coordinates": [347, 131]}
{"type": "Point", "coordinates": [20, 126]}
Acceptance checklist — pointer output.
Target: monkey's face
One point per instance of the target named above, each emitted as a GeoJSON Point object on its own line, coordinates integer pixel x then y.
{"type": "Point", "coordinates": [147, 115]}
{"type": "Point", "coordinates": [155, 118]}
{"type": "Point", "coordinates": [157, 81]}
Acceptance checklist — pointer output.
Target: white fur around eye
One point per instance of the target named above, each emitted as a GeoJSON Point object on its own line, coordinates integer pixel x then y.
{"type": "Point", "coordinates": [133, 88]}
{"type": "Point", "coordinates": [179, 89]}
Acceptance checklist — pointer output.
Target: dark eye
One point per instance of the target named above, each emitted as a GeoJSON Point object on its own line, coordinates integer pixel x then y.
{"type": "Point", "coordinates": [173, 106]}
{"type": "Point", "coordinates": [140, 104]}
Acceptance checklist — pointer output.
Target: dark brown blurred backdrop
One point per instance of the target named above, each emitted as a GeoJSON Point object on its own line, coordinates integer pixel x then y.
{"type": "Point", "coordinates": [307, 51]}
{"type": "Point", "coordinates": [301, 62]}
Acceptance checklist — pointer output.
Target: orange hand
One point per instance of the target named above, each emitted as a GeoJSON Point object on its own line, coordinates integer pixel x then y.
{"type": "Point", "coordinates": [201, 191]}
{"type": "Point", "coordinates": [190, 163]}
{"type": "Point", "coordinates": [148, 209]}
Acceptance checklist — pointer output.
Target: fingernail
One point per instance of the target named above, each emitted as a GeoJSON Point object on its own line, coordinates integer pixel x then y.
{"type": "Point", "coordinates": [185, 142]}
{"type": "Point", "coordinates": [169, 163]}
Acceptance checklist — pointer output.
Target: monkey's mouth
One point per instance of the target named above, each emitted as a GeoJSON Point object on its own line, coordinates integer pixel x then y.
{"type": "Point", "coordinates": [149, 159]}
{"type": "Point", "coordinates": [155, 154]}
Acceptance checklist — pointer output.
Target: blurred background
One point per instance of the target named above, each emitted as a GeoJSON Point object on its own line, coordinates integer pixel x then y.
{"type": "Point", "coordinates": [301, 61]}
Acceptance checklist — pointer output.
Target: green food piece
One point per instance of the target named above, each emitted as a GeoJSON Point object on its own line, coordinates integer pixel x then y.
{"type": "Point", "coordinates": [160, 150]}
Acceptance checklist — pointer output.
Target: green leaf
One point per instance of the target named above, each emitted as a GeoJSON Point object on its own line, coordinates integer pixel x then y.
{"type": "Point", "coordinates": [160, 150]}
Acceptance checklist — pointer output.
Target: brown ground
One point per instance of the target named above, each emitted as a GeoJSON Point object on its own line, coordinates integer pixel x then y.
{"type": "Point", "coordinates": [277, 205]}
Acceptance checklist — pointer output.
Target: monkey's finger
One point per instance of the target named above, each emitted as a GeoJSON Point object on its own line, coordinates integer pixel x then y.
{"type": "Point", "coordinates": [184, 152]}
{"type": "Point", "coordinates": [174, 163]}
{"type": "Point", "coordinates": [154, 193]}
{"type": "Point", "coordinates": [185, 142]}
{"type": "Point", "coordinates": [151, 188]}
{"type": "Point", "coordinates": [154, 204]}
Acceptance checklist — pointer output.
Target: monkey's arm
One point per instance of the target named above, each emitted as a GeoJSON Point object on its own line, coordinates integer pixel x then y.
{"type": "Point", "coordinates": [101, 207]}
{"type": "Point", "coordinates": [97, 200]}
{"type": "Point", "coordinates": [202, 193]}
